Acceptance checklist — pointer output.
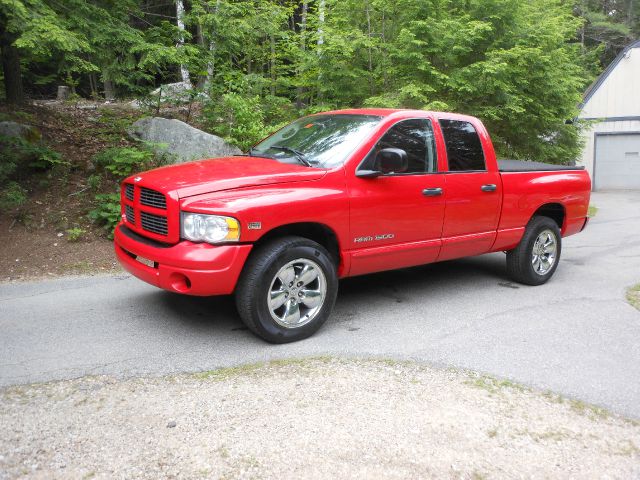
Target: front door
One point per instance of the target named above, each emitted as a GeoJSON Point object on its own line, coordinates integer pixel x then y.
{"type": "Point", "coordinates": [396, 219]}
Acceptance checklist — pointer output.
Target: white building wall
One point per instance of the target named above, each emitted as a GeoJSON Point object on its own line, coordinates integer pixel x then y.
{"type": "Point", "coordinates": [619, 94]}
{"type": "Point", "coordinates": [603, 127]}
{"type": "Point", "coordinates": [614, 105]}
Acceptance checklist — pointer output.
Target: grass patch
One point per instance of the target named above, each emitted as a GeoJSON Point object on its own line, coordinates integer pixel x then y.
{"type": "Point", "coordinates": [553, 435]}
{"type": "Point", "coordinates": [633, 296]}
{"type": "Point", "coordinates": [593, 210]}
{"type": "Point", "coordinates": [233, 372]}
{"type": "Point", "coordinates": [229, 372]}
{"type": "Point", "coordinates": [553, 397]}
{"type": "Point", "coordinates": [627, 449]}
{"type": "Point", "coordinates": [493, 385]}
{"type": "Point", "coordinates": [591, 410]}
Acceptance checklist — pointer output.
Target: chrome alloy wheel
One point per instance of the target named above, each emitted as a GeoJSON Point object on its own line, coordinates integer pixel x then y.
{"type": "Point", "coordinates": [544, 251]}
{"type": "Point", "coordinates": [297, 293]}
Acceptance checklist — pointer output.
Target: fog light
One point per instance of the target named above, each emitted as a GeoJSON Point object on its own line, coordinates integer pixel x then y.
{"type": "Point", "coordinates": [179, 282]}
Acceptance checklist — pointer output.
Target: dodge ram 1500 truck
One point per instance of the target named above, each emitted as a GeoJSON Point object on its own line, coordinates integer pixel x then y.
{"type": "Point", "coordinates": [339, 194]}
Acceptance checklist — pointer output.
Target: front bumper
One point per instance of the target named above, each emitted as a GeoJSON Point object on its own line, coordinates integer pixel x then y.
{"type": "Point", "coordinates": [186, 267]}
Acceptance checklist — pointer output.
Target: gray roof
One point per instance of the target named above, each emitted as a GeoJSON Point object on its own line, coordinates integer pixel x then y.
{"type": "Point", "coordinates": [603, 76]}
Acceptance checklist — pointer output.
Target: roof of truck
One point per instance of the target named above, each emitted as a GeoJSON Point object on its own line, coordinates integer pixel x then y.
{"type": "Point", "coordinates": [395, 112]}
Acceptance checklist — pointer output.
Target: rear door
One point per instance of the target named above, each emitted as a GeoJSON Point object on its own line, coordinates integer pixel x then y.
{"type": "Point", "coordinates": [473, 192]}
{"type": "Point", "coordinates": [396, 219]}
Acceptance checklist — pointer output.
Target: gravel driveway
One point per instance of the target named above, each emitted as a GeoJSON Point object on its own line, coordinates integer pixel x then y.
{"type": "Point", "coordinates": [312, 419]}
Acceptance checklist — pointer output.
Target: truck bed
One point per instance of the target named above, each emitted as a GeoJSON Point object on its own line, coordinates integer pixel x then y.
{"type": "Point", "coordinates": [527, 166]}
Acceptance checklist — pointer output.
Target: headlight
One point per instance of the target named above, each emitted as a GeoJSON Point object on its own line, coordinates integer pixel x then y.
{"type": "Point", "coordinates": [209, 228]}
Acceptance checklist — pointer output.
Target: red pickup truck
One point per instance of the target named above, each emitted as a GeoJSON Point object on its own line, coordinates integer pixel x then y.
{"type": "Point", "coordinates": [339, 194]}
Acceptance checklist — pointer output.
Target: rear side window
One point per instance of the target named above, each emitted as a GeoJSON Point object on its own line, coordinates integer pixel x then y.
{"type": "Point", "coordinates": [464, 149]}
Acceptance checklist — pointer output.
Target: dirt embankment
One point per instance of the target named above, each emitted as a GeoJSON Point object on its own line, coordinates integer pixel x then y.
{"type": "Point", "coordinates": [35, 241]}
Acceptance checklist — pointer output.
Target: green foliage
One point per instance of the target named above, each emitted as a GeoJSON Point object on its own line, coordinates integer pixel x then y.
{"type": "Point", "coordinates": [106, 211]}
{"type": "Point", "coordinates": [45, 158]}
{"type": "Point", "coordinates": [19, 158]}
{"type": "Point", "coordinates": [94, 182]}
{"type": "Point", "coordinates": [520, 66]}
{"type": "Point", "coordinates": [124, 161]}
{"type": "Point", "coordinates": [12, 197]}
{"type": "Point", "coordinates": [75, 234]}
{"type": "Point", "coordinates": [238, 119]}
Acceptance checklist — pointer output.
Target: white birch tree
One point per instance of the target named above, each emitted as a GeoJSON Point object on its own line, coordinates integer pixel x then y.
{"type": "Point", "coordinates": [184, 72]}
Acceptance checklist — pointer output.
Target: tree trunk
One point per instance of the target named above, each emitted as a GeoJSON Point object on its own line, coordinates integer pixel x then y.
{"type": "Point", "coordinates": [384, 61]}
{"type": "Point", "coordinates": [303, 48]}
{"type": "Point", "coordinates": [93, 84]}
{"type": "Point", "coordinates": [109, 91]}
{"type": "Point", "coordinates": [184, 73]}
{"type": "Point", "coordinates": [321, 6]}
{"type": "Point", "coordinates": [11, 69]}
{"type": "Point", "coordinates": [368, 11]}
{"type": "Point", "coordinates": [212, 50]}
{"type": "Point", "coordinates": [63, 93]}
{"type": "Point", "coordinates": [320, 23]}
{"type": "Point", "coordinates": [272, 64]}
{"type": "Point", "coordinates": [202, 79]}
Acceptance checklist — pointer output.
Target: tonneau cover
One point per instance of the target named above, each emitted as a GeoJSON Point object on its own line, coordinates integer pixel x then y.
{"type": "Point", "coordinates": [527, 166]}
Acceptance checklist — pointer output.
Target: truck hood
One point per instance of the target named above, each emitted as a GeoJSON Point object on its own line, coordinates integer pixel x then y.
{"type": "Point", "coordinates": [213, 175]}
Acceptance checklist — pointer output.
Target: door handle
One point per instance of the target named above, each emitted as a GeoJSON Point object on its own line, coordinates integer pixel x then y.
{"type": "Point", "coordinates": [490, 187]}
{"type": "Point", "coordinates": [432, 192]}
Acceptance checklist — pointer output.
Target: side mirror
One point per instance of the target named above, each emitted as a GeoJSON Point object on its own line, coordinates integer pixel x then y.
{"type": "Point", "coordinates": [388, 160]}
{"type": "Point", "coordinates": [391, 160]}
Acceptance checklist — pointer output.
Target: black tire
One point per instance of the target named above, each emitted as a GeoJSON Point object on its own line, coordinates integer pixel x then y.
{"type": "Point", "coordinates": [520, 264]}
{"type": "Point", "coordinates": [258, 279]}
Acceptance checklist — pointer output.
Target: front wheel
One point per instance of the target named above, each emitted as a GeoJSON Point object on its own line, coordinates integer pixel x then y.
{"type": "Point", "coordinates": [535, 259]}
{"type": "Point", "coordinates": [287, 289]}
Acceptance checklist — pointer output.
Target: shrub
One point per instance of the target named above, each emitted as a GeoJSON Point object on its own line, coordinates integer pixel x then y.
{"type": "Point", "coordinates": [123, 161]}
{"type": "Point", "coordinates": [45, 158]}
{"type": "Point", "coordinates": [107, 211]}
{"type": "Point", "coordinates": [94, 182]}
{"type": "Point", "coordinates": [74, 234]}
{"type": "Point", "coordinates": [19, 157]}
{"type": "Point", "coordinates": [12, 197]}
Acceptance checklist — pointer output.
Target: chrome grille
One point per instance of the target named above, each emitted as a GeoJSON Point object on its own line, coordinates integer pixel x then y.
{"type": "Point", "coordinates": [128, 210]}
{"type": "Point", "coordinates": [128, 191]}
{"type": "Point", "coordinates": [154, 223]}
{"type": "Point", "coordinates": [151, 198]}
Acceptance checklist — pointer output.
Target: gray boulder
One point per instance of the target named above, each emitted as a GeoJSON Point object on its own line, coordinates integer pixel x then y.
{"type": "Point", "coordinates": [14, 129]}
{"type": "Point", "coordinates": [180, 140]}
{"type": "Point", "coordinates": [172, 91]}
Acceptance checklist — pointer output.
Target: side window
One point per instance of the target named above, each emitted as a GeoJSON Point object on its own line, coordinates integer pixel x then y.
{"type": "Point", "coordinates": [414, 137]}
{"type": "Point", "coordinates": [464, 149]}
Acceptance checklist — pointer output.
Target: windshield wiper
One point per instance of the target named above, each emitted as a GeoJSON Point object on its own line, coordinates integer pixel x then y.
{"type": "Point", "coordinates": [255, 153]}
{"type": "Point", "coordinates": [299, 155]}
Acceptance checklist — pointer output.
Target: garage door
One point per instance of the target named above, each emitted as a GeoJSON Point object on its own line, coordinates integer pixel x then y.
{"type": "Point", "coordinates": [617, 161]}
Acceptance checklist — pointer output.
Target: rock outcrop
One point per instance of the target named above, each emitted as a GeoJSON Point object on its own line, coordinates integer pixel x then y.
{"type": "Point", "coordinates": [180, 140]}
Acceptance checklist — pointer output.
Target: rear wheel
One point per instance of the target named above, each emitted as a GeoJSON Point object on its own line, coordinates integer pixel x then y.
{"type": "Point", "coordinates": [535, 259]}
{"type": "Point", "coordinates": [287, 289]}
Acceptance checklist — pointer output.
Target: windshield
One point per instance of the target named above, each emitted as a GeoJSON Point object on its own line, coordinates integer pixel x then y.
{"type": "Point", "coordinates": [323, 141]}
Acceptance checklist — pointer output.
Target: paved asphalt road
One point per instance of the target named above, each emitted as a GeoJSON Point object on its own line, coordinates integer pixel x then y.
{"type": "Point", "coordinates": [576, 335]}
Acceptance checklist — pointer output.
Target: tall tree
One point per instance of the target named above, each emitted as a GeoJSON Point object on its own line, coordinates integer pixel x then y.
{"type": "Point", "coordinates": [10, 64]}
